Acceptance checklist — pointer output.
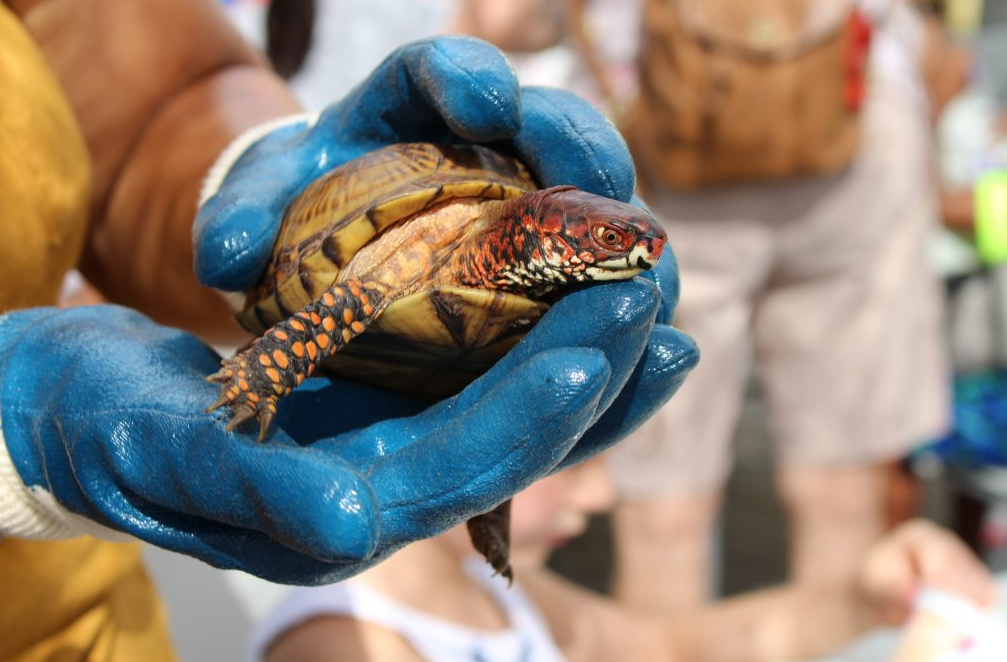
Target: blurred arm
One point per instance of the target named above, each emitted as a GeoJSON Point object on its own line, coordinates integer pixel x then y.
{"type": "Point", "coordinates": [793, 622]}
{"type": "Point", "coordinates": [159, 88]}
{"type": "Point", "coordinates": [796, 621]}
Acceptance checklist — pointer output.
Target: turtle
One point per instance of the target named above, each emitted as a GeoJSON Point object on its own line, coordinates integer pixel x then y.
{"type": "Point", "coordinates": [415, 267]}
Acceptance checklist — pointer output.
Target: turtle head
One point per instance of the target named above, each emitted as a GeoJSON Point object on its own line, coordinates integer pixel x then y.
{"type": "Point", "coordinates": [589, 237]}
{"type": "Point", "coordinates": [542, 240]}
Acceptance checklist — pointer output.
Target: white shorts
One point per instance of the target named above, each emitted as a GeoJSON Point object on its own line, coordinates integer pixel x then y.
{"type": "Point", "coordinates": [825, 283]}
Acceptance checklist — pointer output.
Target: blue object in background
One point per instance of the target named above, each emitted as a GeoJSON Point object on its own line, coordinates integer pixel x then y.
{"type": "Point", "coordinates": [979, 427]}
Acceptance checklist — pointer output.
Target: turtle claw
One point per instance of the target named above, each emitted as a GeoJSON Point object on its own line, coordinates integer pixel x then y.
{"type": "Point", "coordinates": [221, 375]}
{"type": "Point", "coordinates": [221, 401]}
{"type": "Point", "coordinates": [265, 420]}
{"type": "Point", "coordinates": [240, 416]}
{"type": "Point", "coordinates": [246, 400]}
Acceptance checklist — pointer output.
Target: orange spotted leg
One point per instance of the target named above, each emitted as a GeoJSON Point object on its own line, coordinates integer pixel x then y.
{"type": "Point", "coordinates": [254, 380]}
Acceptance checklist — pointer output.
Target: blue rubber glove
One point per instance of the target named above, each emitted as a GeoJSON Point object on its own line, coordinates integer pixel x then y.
{"type": "Point", "coordinates": [103, 417]}
{"type": "Point", "coordinates": [102, 411]}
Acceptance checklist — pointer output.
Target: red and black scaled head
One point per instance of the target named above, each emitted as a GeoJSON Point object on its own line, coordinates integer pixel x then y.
{"type": "Point", "coordinates": [574, 236]}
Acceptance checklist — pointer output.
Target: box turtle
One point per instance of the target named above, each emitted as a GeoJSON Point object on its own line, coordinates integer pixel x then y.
{"type": "Point", "coordinates": [433, 260]}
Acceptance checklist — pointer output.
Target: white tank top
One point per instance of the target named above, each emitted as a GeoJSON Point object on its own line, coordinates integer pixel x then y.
{"type": "Point", "coordinates": [526, 640]}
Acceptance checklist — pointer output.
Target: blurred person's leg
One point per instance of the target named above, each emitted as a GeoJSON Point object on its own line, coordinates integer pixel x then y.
{"type": "Point", "coordinates": [830, 534]}
{"type": "Point", "coordinates": [849, 339]}
{"type": "Point", "coordinates": [664, 551]}
{"type": "Point", "coordinates": [669, 474]}
{"type": "Point", "coordinates": [904, 496]}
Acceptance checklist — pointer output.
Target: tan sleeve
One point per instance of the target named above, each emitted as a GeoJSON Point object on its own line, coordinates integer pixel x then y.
{"type": "Point", "coordinates": [80, 599]}
{"type": "Point", "coordinates": [44, 175]}
{"type": "Point", "coordinates": [159, 88]}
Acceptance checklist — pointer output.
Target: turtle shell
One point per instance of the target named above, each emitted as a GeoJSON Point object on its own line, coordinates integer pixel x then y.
{"type": "Point", "coordinates": [432, 342]}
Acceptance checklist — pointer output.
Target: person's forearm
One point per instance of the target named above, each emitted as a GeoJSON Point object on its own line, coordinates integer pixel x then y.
{"type": "Point", "coordinates": [146, 231]}
{"type": "Point", "coordinates": [792, 622]}
{"type": "Point", "coordinates": [159, 88]}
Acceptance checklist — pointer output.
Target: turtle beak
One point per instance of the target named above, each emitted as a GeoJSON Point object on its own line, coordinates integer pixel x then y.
{"type": "Point", "coordinates": [648, 249]}
{"type": "Point", "coordinates": [644, 255]}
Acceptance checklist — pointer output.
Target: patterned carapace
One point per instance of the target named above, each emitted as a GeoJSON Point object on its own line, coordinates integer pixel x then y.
{"type": "Point", "coordinates": [433, 260]}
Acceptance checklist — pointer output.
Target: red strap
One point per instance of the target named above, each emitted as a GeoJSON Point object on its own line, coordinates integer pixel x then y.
{"type": "Point", "coordinates": [858, 46]}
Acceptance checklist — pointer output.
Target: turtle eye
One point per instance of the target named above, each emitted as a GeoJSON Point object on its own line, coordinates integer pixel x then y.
{"type": "Point", "coordinates": [610, 237]}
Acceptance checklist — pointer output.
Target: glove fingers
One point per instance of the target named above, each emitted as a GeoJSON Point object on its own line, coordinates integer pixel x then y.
{"type": "Point", "coordinates": [615, 318]}
{"type": "Point", "coordinates": [434, 90]}
{"type": "Point", "coordinates": [665, 276]}
{"type": "Point", "coordinates": [669, 357]}
{"type": "Point", "coordinates": [233, 548]}
{"type": "Point", "coordinates": [473, 460]}
{"type": "Point", "coordinates": [499, 447]}
{"type": "Point", "coordinates": [234, 231]}
{"type": "Point", "coordinates": [567, 141]}
{"type": "Point", "coordinates": [306, 500]}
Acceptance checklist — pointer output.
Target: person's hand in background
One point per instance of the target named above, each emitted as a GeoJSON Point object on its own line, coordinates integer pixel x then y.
{"type": "Point", "coordinates": [921, 554]}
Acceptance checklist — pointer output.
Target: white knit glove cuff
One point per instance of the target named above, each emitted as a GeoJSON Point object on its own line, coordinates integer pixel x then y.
{"type": "Point", "coordinates": [34, 513]}
{"type": "Point", "coordinates": [218, 172]}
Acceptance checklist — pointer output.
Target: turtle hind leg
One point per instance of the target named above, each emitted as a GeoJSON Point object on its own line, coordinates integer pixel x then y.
{"type": "Point", "coordinates": [253, 380]}
{"type": "Point", "coordinates": [490, 534]}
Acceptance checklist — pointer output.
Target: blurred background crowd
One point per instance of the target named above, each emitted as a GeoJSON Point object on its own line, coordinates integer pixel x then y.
{"type": "Point", "coordinates": [833, 180]}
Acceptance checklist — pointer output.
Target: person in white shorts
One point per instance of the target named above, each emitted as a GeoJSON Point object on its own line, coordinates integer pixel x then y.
{"type": "Point", "coordinates": [824, 284]}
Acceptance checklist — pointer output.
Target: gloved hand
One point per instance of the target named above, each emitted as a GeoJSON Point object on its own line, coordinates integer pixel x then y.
{"type": "Point", "coordinates": [102, 415]}
{"type": "Point", "coordinates": [102, 411]}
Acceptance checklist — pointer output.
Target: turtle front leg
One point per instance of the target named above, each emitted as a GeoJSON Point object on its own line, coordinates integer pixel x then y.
{"type": "Point", "coordinates": [253, 380]}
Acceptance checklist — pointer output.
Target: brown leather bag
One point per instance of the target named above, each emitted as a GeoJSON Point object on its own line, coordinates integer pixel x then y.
{"type": "Point", "coordinates": [746, 90]}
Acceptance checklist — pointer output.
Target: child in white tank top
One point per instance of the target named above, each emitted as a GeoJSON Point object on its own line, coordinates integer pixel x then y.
{"type": "Point", "coordinates": [435, 602]}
